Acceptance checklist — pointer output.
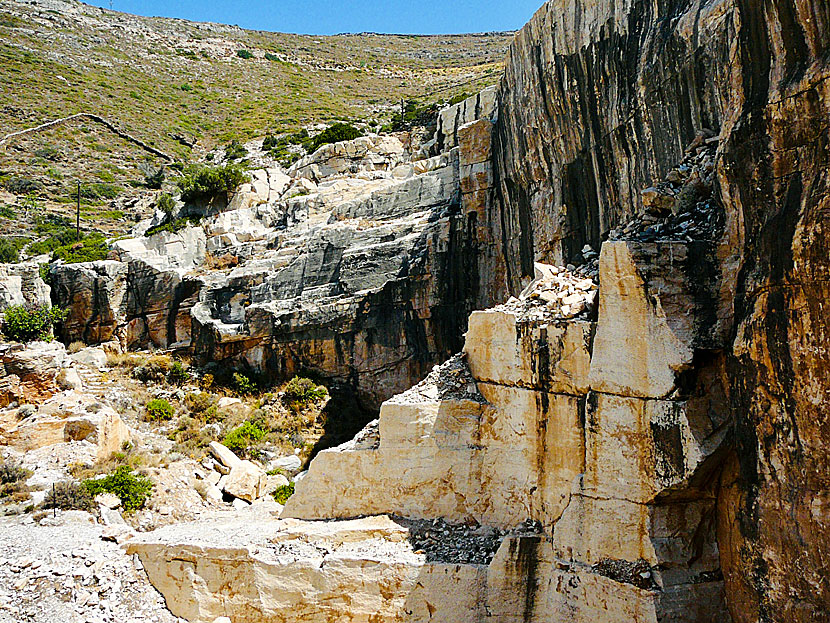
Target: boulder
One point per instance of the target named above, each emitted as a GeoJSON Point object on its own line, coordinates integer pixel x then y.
{"type": "Point", "coordinates": [245, 481]}
{"type": "Point", "coordinates": [36, 366]}
{"type": "Point", "coordinates": [224, 454]}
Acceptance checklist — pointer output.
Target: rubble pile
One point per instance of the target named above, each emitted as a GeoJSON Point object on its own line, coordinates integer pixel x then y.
{"type": "Point", "coordinates": [452, 380]}
{"type": "Point", "coordinates": [682, 207]}
{"type": "Point", "coordinates": [558, 293]}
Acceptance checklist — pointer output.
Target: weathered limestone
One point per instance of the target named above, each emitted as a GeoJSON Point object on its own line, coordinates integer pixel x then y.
{"type": "Point", "coordinates": [21, 284]}
{"type": "Point", "coordinates": [67, 417]}
{"type": "Point", "coordinates": [246, 481]}
{"type": "Point", "coordinates": [32, 370]}
{"type": "Point", "coordinates": [367, 153]}
{"type": "Point", "coordinates": [363, 570]}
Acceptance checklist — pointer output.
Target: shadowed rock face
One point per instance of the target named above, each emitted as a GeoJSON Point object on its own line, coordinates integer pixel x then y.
{"type": "Point", "coordinates": [598, 100]}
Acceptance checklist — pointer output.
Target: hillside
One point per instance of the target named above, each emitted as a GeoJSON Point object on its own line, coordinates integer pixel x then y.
{"type": "Point", "coordinates": [186, 88]}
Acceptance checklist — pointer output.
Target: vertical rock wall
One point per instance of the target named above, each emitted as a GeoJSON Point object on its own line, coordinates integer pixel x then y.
{"type": "Point", "coordinates": [597, 101]}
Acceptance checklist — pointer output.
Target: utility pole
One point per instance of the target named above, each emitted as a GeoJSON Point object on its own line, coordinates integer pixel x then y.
{"type": "Point", "coordinates": [78, 214]}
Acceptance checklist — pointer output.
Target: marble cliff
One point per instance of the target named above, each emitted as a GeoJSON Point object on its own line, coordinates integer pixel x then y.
{"type": "Point", "coordinates": [638, 433]}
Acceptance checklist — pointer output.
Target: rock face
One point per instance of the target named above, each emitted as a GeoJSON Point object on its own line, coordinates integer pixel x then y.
{"type": "Point", "coordinates": [598, 102]}
{"type": "Point", "coordinates": [361, 264]}
{"type": "Point", "coordinates": [604, 503]}
{"type": "Point", "coordinates": [21, 284]}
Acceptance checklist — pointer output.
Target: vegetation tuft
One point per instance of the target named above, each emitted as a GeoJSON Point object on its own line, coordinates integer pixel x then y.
{"type": "Point", "coordinates": [133, 490]}
{"type": "Point", "coordinates": [29, 324]}
{"type": "Point", "coordinates": [206, 183]}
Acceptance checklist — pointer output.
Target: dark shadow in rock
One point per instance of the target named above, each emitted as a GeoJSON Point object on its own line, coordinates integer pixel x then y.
{"type": "Point", "coordinates": [343, 417]}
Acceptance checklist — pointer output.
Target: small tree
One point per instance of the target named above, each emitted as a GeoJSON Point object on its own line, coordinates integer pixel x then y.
{"type": "Point", "coordinates": [8, 252]}
{"type": "Point", "coordinates": [167, 205]}
{"type": "Point", "coordinates": [334, 134]}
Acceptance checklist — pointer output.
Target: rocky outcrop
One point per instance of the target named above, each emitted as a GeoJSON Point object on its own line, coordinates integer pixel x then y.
{"type": "Point", "coordinates": [361, 265]}
{"type": "Point", "coordinates": [601, 493]}
{"type": "Point", "coordinates": [21, 284]}
{"type": "Point", "coordinates": [573, 150]}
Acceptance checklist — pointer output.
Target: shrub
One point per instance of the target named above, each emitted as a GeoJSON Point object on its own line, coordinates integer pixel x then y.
{"type": "Point", "coordinates": [199, 403]}
{"type": "Point", "coordinates": [413, 114]}
{"type": "Point", "coordinates": [69, 496]}
{"type": "Point", "coordinates": [91, 249]}
{"type": "Point", "coordinates": [11, 473]}
{"type": "Point", "coordinates": [45, 272]}
{"type": "Point", "coordinates": [178, 375]}
{"type": "Point", "coordinates": [284, 492]}
{"type": "Point", "coordinates": [155, 368]}
{"type": "Point", "coordinates": [98, 190]}
{"type": "Point", "coordinates": [206, 183]}
{"type": "Point", "coordinates": [243, 436]}
{"type": "Point", "coordinates": [27, 325]}
{"type": "Point", "coordinates": [7, 212]}
{"type": "Point", "coordinates": [172, 226]}
{"type": "Point", "coordinates": [301, 391]}
{"type": "Point", "coordinates": [246, 54]}
{"type": "Point", "coordinates": [235, 151]}
{"type": "Point", "coordinates": [75, 347]}
{"type": "Point", "coordinates": [334, 134]}
{"type": "Point", "coordinates": [22, 186]}
{"type": "Point", "coordinates": [243, 385]}
{"type": "Point", "coordinates": [155, 179]}
{"type": "Point", "coordinates": [159, 409]}
{"type": "Point", "coordinates": [271, 57]}
{"type": "Point", "coordinates": [9, 253]}
{"type": "Point", "coordinates": [166, 204]}
{"type": "Point", "coordinates": [206, 382]}
{"type": "Point", "coordinates": [133, 490]}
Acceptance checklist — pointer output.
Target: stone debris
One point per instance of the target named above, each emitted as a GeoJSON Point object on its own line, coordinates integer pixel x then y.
{"type": "Point", "coordinates": [681, 208]}
{"type": "Point", "coordinates": [558, 292]}
{"type": "Point", "coordinates": [451, 380]}
{"type": "Point", "coordinates": [444, 542]}
{"type": "Point", "coordinates": [73, 572]}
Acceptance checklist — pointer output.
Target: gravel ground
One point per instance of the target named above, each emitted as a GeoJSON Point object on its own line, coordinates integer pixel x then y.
{"type": "Point", "coordinates": [65, 573]}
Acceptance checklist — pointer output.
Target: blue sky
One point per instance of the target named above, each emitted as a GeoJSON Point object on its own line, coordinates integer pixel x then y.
{"type": "Point", "coordinates": [324, 17]}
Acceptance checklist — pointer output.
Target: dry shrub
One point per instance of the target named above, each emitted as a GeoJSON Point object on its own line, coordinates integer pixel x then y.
{"type": "Point", "coordinates": [75, 347]}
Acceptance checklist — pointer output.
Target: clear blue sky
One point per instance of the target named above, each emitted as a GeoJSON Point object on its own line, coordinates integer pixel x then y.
{"type": "Point", "coordinates": [325, 17]}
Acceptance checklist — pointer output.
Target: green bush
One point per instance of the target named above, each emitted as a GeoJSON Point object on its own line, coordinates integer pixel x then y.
{"type": "Point", "coordinates": [11, 473]}
{"type": "Point", "coordinates": [334, 134]}
{"type": "Point", "coordinates": [199, 403]}
{"type": "Point", "coordinates": [172, 226]}
{"type": "Point", "coordinates": [246, 54]}
{"type": "Point", "coordinates": [92, 248]}
{"type": "Point", "coordinates": [97, 191]}
{"type": "Point", "coordinates": [9, 253]}
{"type": "Point", "coordinates": [45, 272]}
{"type": "Point", "coordinates": [133, 490]}
{"type": "Point", "coordinates": [178, 375]}
{"type": "Point", "coordinates": [69, 496]}
{"type": "Point", "coordinates": [206, 183]}
{"type": "Point", "coordinates": [243, 436]}
{"type": "Point", "coordinates": [27, 325]}
{"type": "Point", "coordinates": [159, 409]}
{"type": "Point", "coordinates": [22, 185]}
{"type": "Point", "coordinates": [7, 212]}
{"type": "Point", "coordinates": [284, 492]}
{"type": "Point", "coordinates": [235, 151]}
{"type": "Point", "coordinates": [414, 114]}
{"type": "Point", "coordinates": [271, 57]}
{"type": "Point", "coordinates": [300, 390]}
{"type": "Point", "coordinates": [243, 385]}
{"type": "Point", "coordinates": [56, 232]}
